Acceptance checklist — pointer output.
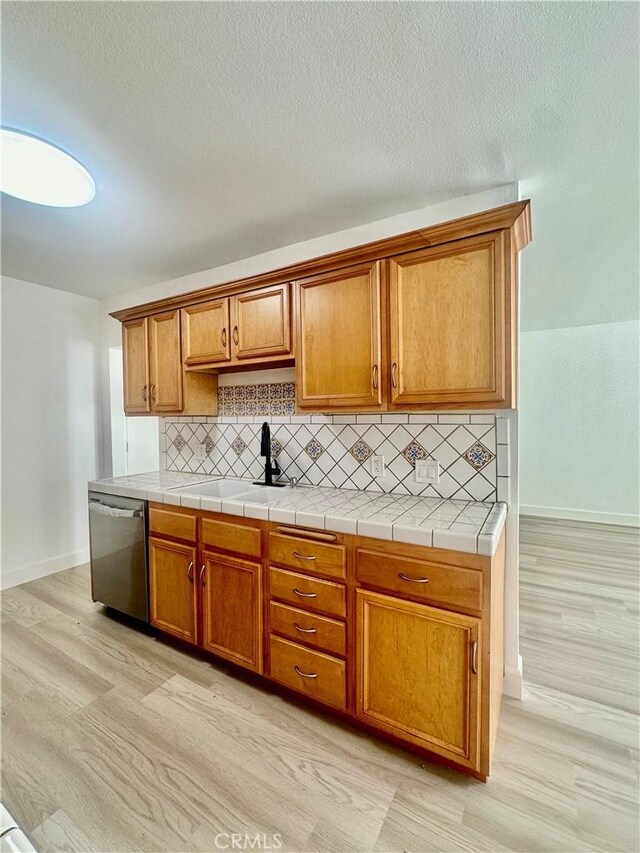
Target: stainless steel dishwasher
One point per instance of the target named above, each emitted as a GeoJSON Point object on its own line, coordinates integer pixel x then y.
{"type": "Point", "coordinates": [118, 542]}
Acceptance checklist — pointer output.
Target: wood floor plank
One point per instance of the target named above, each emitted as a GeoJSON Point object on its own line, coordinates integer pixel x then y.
{"type": "Point", "coordinates": [116, 740]}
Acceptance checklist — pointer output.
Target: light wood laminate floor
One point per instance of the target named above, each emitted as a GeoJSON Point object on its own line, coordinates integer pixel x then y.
{"type": "Point", "coordinates": [113, 740]}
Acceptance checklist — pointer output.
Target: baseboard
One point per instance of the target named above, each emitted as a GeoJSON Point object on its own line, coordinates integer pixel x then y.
{"type": "Point", "coordinates": [14, 577]}
{"type": "Point", "coordinates": [626, 519]}
{"type": "Point", "coordinates": [512, 683]}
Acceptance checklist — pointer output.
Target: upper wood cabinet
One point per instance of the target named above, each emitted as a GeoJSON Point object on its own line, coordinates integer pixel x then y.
{"type": "Point", "coordinates": [261, 323]}
{"type": "Point", "coordinates": [417, 674]}
{"type": "Point", "coordinates": [450, 316]}
{"type": "Point", "coordinates": [339, 339]}
{"type": "Point", "coordinates": [252, 327]}
{"type": "Point", "coordinates": [165, 362]}
{"type": "Point", "coordinates": [135, 355]}
{"type": "Point", "coordinates": [206, 336]}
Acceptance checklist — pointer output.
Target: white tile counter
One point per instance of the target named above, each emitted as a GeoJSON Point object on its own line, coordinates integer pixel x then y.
{"type": "Point", "coordinates": [467, 526]}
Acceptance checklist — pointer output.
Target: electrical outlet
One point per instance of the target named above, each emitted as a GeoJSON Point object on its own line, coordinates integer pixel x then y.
{"type": "Point", "coordinates": [376, 466]}
{"type": "Point", "coordinates": [200, 452]}
{"type": "Point", "coordinates": [427, 471]}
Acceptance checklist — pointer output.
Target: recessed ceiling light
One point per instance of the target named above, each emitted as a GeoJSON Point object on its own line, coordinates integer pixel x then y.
{"type": "Point", "coordinates": [39, 172]}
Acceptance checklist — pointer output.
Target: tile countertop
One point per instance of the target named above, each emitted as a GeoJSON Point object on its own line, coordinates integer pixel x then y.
{"type": "Point", "coordinates": [458, 525]}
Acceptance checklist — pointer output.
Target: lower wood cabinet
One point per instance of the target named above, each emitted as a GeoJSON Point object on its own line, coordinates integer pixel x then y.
{"type": "Point", "coordinates": [231, 609]}
{"type": "Point", "coordinates": [417, 674]}
{"type": "Point", "coordinates": [173, 592]}
{"type": "Point", "coordinates": [402, 639]}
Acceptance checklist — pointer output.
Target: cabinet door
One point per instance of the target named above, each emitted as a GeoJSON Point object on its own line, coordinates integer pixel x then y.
{"type": "Point", "coordinates": [135, 357]}
{"type": "Point", "coordinates": [205, 332]}
{"type": "Point", "coordinates": [417, 674]}
{"type": "Point", "coordinates": [339, 339]}
{"type": "Point", "coordinates": [172, 588]}
{"type": "Point", "coordinates": [165, 362]}
{"type": "Point", "coordinates": [261, 321]}
{"type": "Point", "coordinates": [448, 321]}
{"type": "Point", "coordinates": [232, 609]}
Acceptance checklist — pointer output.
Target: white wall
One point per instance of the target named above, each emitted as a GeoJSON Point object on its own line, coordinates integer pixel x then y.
{"type": "Point", "coordinates": [49, 427]}
{"type": "Point", "coordinates": [579, 422]}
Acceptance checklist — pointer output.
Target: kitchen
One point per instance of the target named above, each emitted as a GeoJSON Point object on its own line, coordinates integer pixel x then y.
{"type": "Point", "coordinates": [312, 603]}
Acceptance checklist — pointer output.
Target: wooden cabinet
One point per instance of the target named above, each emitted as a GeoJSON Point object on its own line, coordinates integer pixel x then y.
{"type": "Point", "coordinates": [252, 327]}
{"type": "Point", "coordinates": [261, 323]}
{"type": "Point", "coordinates": [339, 339]}
{"type": "Point", "coordinates": [450, 315]}
{"type": "Point", "coordinates": [135, 354]}
{"type": "Point", "coordinates": [172, 588]}
{"type": "Point", "coordinates": [417, 674]}
{"type": "Point", "coordinates": [231, 609]}
{"type": "Point", "coordinates": [205, 333]}
{"type": "Point", "coordinates": [404, 639]}
{"type": "Point", "coordinates": [165, 363]}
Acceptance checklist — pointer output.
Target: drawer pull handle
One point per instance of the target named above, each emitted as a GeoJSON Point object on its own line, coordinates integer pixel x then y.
{"type": "Point", "coordinates": [404, 577]}
{"type": "Point", "coordinates": [474, 657]}
{"type": "Point", "coordinates": [305, 630]}
{"type": "Point", "coordinates": [306, 594]}
{"type": "Point", "coordinates": [302, 556]}
{"type": "Point", "coordinates": [305, 674]}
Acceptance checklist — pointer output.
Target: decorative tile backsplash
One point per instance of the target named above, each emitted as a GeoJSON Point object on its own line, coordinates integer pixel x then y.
{"type": "Point", "coordinates": [334, 450]}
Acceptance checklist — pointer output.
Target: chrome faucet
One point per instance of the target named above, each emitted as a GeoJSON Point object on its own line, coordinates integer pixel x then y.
{"type": "Point", "coordinates": [271, 466]}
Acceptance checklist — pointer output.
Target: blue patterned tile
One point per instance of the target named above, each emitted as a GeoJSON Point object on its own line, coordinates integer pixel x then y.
{"type": "Point", "coordinates": [360, 450]}
{"type": "Point", "coordinates": [238, 445]}
{"type": "Point", "coordinates": [314, 449]}
{"type": "Point", "coordinates": [478, 455]}
{"type": "Point", "coordinates": [414, 451]}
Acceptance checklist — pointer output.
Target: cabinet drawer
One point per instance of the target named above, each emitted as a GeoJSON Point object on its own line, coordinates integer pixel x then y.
{"type": "Point", "coordinates": [171, 522]}
{"type": "Point", "coordinates": [308, 593]}
{"type": "Point", "coordinates": [448, 586]}
{"type": "Point", "coordinates": [307, 628]}
{"type": "Point", "coordinates": [226, 536]}
{"type": "Point", "coordinates": [312, 673]}
{"type": "Point", "coordinates": [307, 555]}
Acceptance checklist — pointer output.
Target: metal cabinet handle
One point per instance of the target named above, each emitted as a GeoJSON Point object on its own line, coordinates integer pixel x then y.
{"type": "Point", "coordinates": [202, 570]}
{"type": "Point", "coordinates": [306, 594]}
{"type": "Point", "coordinates": [302, 556]}
{"type": "Point", "coordinates": [305, 630]}
{"type": "Point", "coordinates": [394, 374]}
{"type": "Point", "coordinates": [144, 393]}
{"type": "Point", "coordinates": [152, 391]}
{"type": "Point", "coordinates": [404, 577]}
{"type": "Point", "coordinates": [374, 377]}
{"type": "Point", "coordinates": [190, 572]}
{"type": "Point", "coordinates": [474, 657]}
{"type": "Point", "coordinates": [235, 335]}
{"type": "Point", "coordinates": [224, 337]}
{"type": "Point", "coordinates": [305, 674]}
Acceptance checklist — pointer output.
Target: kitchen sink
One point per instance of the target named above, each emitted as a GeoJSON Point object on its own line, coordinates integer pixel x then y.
{"type": "Point", "coordinates": [263, 494]}
{"type": "Point", "coordinates": [217, 489]}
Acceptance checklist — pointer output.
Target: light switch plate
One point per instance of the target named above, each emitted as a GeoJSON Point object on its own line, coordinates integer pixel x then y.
{"type": "Point", "coordinates": [376, 466]}
{"type": "Point", "coordinates": [427, 471]}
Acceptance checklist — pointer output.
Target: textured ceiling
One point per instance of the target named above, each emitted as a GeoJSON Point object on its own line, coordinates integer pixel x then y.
{"type": "Point", "coordinates": [216, 131]}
